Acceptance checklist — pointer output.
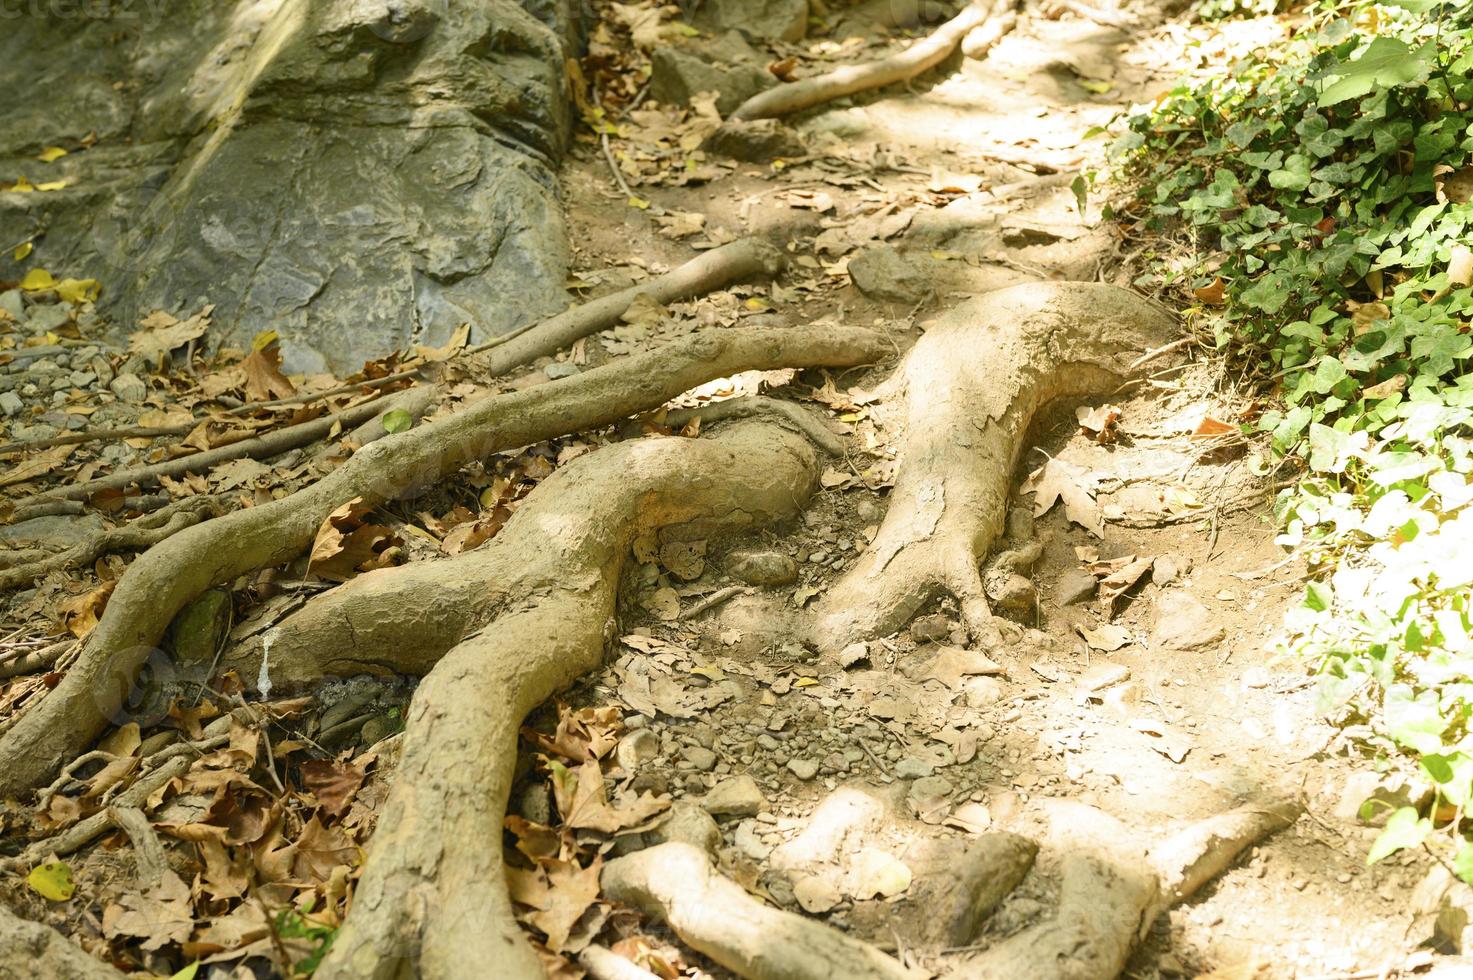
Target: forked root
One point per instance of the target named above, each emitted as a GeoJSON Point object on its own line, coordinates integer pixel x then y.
{"type": "Point", "coordinates": [1113, 889]}
{"type": "Point", "coordinates": [433, 899]}
{"type": "Point", "coordinates": [968, 391]}
{"type": "Point", "coordinates": [675, 883]}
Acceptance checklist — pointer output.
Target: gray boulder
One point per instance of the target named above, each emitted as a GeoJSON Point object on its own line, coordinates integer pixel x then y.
{"type": "Point", "coordinates": [782, 20]}
{"type": "Point", "coordinates": [358, 175]}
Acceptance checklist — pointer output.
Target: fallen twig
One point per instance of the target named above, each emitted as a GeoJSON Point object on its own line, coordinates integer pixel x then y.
{"type": "Point", "coordinates": [919, 57]}
{"type": "Point", "coordinates": [715, 599]}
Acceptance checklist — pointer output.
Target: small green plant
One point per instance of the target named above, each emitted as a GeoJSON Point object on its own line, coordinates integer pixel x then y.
{"type": "Point", "coordinates": [1327, 185]}
{"type": "Point", "coordinates": [292, 923]}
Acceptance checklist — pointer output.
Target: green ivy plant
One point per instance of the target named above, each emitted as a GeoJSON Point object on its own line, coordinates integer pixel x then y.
{"type": "Point", "coordinates": [1326, 183]}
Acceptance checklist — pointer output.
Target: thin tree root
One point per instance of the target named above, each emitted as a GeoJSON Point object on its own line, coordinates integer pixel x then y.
{"type": "Point", "coordinates": [1112, 890]}
{"type": "Point", "coordinates": [676, 884]}
{"type": "Point", "coordinates": [603, 963]}
{"type": "Point", "coordinates": [968, 392]}
{"type": "Point", "coordinates": [145, 532]}
{"type": "Point", "coordinates": [920, 57]}
{"type": "Point", "coordinates": [795, 417]}
{"type": "Point", "coordinates": [432, 900]}
{"type": "Point", "coordinates": [159, 583]}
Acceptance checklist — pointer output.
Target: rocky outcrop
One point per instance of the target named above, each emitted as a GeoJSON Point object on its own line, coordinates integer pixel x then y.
{"type": "Point", "coordinates": [357, 175]}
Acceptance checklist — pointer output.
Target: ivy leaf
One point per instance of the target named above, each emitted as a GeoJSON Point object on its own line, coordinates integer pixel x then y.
{"type": "Point", "coordinates": [397, 421]}
{"type": "Point", "coordinates": [52, 881]}
{"type": "Point", "coordinates": [1403, 829]}
{"type": "Point", "coordinates": [1463, 861]}
{"type": "Point", "coordinates": [1385, 63]}
{"type": "Point", "coordinates": [1414, 721]}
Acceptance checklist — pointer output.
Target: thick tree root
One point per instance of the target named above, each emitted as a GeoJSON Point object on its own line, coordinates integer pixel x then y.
{"type": "Point", "coordinates": [31, 951]}
{"type": "Point", "coordinates": [433, 901]}
{"type": "Point", "coordinates": [165, 578]}
{"type": "Point", "coordinates": [920, 57]}
{"type": "Point", "coordinates": [968, 391]}
{"type": "Point", "coordinates": [1113, 890]}
{"type": "Point", "coordinates": [675, 883]}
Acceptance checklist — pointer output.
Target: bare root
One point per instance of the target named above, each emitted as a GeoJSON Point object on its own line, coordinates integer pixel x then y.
{"type": "Point", "coordinates": [675, 883]}
{"type": "Point", "coordinates": [968, 392]}
{"type": "Point", "coordinates": [920, 57]}
{"type": "Point", "coordinates": [433, 898]}
{"type": "Point", "coordinates": [169, 575]}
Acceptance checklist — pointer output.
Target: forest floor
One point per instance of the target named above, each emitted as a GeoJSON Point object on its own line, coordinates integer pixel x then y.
{"type": "Point", "coordinates": [1140, 680]}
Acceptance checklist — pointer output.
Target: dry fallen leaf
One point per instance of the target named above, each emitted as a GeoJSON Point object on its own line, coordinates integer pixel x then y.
{"type": "Point", "coordinates": [953, 663]}
{"type": "Point", "coordinates": [1058, 480]}
{"type": "Point", "coordinates": [333, 783]}
{"type": "Point", "coordinates": [160, 916]}
{"type": "Point", "coordinates": [162, 333]}
{"type": "Point", "coordinates": [1106, 638]}
{"type": "Point", "coordinates": [35, 464]}
{"type": "Point", "coordinates": [1099, 422]}
{"type": "Point", "coordinates": [80, 614]}
{"type": "Point", "coordinates": [558, 892]}
{"type": "Point", "coordinates": [346, 544]}
{"type": "Point", "coordinates": [263, 378]}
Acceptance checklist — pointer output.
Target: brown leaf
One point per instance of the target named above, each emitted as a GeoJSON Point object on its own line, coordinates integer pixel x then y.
{"type": "Point", "coordinates": [263, 378]}
{"type": "Point", "coordinates": [80, 614]}
{"type": "Point", "coordinates": [333, 783]}
{"type": "Point", "coordinates": [583, 801]}
{"type": "Point", "coordinates": [162, 333]}
{"type": "Point", "coordinates": [1211, 428]}
{"type": "Point", "coordinates": [558, 892]}
{"type": "Point", "coordinates": [35, 464]}
{"type": "Point", "coordinates": [784, 69]}
{"type": "Point", "coordinates": [1098, 422]}
{"type": "Point", "coordinates": [1121, 581]}
{"type": "Point", "coordinates": [1210, 294]}
{"type": "Point", "coordinates": [319, 850]}
{"type": "Point", "coordinates": [160, 916]}
{"type": "Point", "coordinates": [952, 663]}
{"type": "Point", "coordinates": [345, 544]}
{"type": "Point", "coordinates": [1058, 480]}
{"type": "Point", "coordinates": [582, 735]}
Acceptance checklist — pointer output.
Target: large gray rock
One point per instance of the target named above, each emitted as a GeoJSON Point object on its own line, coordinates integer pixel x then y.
{"type": "Point", "coordinates": [358, 175]}
{"type": "Point", "coordinates": [728, 66]}
{"type": "Point", "coordinates": [783, 20]}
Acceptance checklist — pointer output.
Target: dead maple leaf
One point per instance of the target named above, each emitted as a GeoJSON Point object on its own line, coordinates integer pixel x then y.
{"type": "Point", "coordinates": [37, 464]}
{"type": "Point", "coordinates": [953, 663]}
{"type": "Point", "coordinates": [1099, 422]}
{"type": "Point", "coordinates": [333, 783]}
{"type": "Point", "coordinates": [1121, 581]}
{"type": "Point", "coordinates": [162, 333]}
{"type": "Point", "coordinates": [583, 801]}
{"type": "Point", "coordinates": [1058, 480]}
{"type": "Point", "coordinates": [263, 378]}
{"type": "Point", "coordinates": [581, 736]}
{"type": "Point", "coordinates": [159, 916]}
{"type": "Point", "coordinates": [346, 545]}
{"type": "Point", "coordinates": [558, 892]}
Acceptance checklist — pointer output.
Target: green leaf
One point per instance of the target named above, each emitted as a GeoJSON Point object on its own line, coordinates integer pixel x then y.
{"type": "Point", "coordinates": [187, 973]}
{"type": "Point", "coordinates": [1294, 176]}
{"type": "Point", "coordinates": [1463, 861]}
{"type": "Point", "coordinates": [1453, 775]}
{"type": "Point", "coordinates": [397, 421]}
{"type": "Point", "coordinates": [1318, 596]}
{"type": "Point", "coordinates": [52, 881]}
{"type": "Point", "coordinates": [1403, 829]}
{"type": "Point", "coordinates": [1385, 63]}
{"type": "Point", "coordinates": [1081, 192]}
{"type": "Point", "coordinates": [1414, 721]}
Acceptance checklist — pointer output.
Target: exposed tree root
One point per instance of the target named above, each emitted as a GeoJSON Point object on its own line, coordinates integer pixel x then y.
{"type": "Point", "coordinates": [793, 416]}
{"type": "Point", "coordinates": [159, 583]}
{"type": "Point", "coordinates": [1112, 890]}
{"type": "Point", "coordinates": [538, 604]}
{"type": "Point", "coordinates": [32, 951]}
{"type": "Point", "coordinates": [921, 56]}
{"type": "Point", "coordinates": [968, 391]}
{"type": "Point", "coordinates": [675, 883]}
{"type": "Point", "coordinates": [145, 532]}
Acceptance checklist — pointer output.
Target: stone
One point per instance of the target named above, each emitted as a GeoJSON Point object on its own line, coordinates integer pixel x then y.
{"type": "Point", "coordinates": [804, 769]}
{"type": "Point", "coordinates": [11, 303]}
{"type": "Point", "coordinates": [1166, 570]}
{"type": "Point", "coordinates": [853, 654]}
{"type": "Point", "coordinates": [376, 729]}
{"type": "Point", "coordinates": [883, 272]}
{"type": "Point", "coordinates": [130, 388]}
{"type": "Point", "coordinates": [912, 768]}
{"type": "Point", "coordinates": [931, 797]}
{"type": "Point", "coordinates": [739, 796]}
{"type": "Point", "coordinates": [534, 803]}
{"type": "Point", "coordinates": [393, 175]}
{"type": "Point", "coordinates": [1103, 675]}
{"type": "Point", "coordinates": [688, 823]}
{"type": "Point", "coordinates": [1014, 596]}
{"type": "Point", "coordinates": [839, 825]}
{"type": "Point", "coordinates": [700, 758]}
{"type": "Point", "coordinates": [46, 318]}
{"type": "Point", "coordinates": [878, 873]}
{"type": "Point", "coordinates": [636, 748]}
{"type": "Point", "coordinates": [755, 140]}
{"type": "Point", "coordinates": [816, 895]}
{"type": "Point", "coordinates": [749, 843]}
{"type": "Point", "coordinates": [1183, 623]}
{"type": "Point", "coordinates": [763, 568]}
{"type": "Point", "coordinates": [931, 629]}
{"type": "Point", "coordinates": [560, 369]}
{"type": "Point", "coordinates": [57, 531]}
{"type": "Point", "coordinates": [779, 20]}
{"type": "Point", "coordinates": [678, 73]}
{"type": "Point", "coordinates": [10, 403]}
{"type": "Point", "coordinates": [1075, 586]}
{"type": "Point", "coordinates": [980, 692]}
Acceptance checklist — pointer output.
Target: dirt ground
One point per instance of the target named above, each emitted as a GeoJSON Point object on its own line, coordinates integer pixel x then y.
{"type": "Point", "coordinates": [1139, 674]}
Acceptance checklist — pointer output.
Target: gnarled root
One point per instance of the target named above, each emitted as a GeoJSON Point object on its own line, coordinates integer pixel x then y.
{"type": "Point", "coordinates": [1113, 889]}
{"type": "Point", "coordinates": [969, 390]}
{"type": "Point", "coordinates": [433, 899]}
{"type": "Point", "coordinates": [169, 575]}
{"type": "Point", "coordinates": [675, 883]}
{"type": "Point", "coordinates": [36, 952]}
